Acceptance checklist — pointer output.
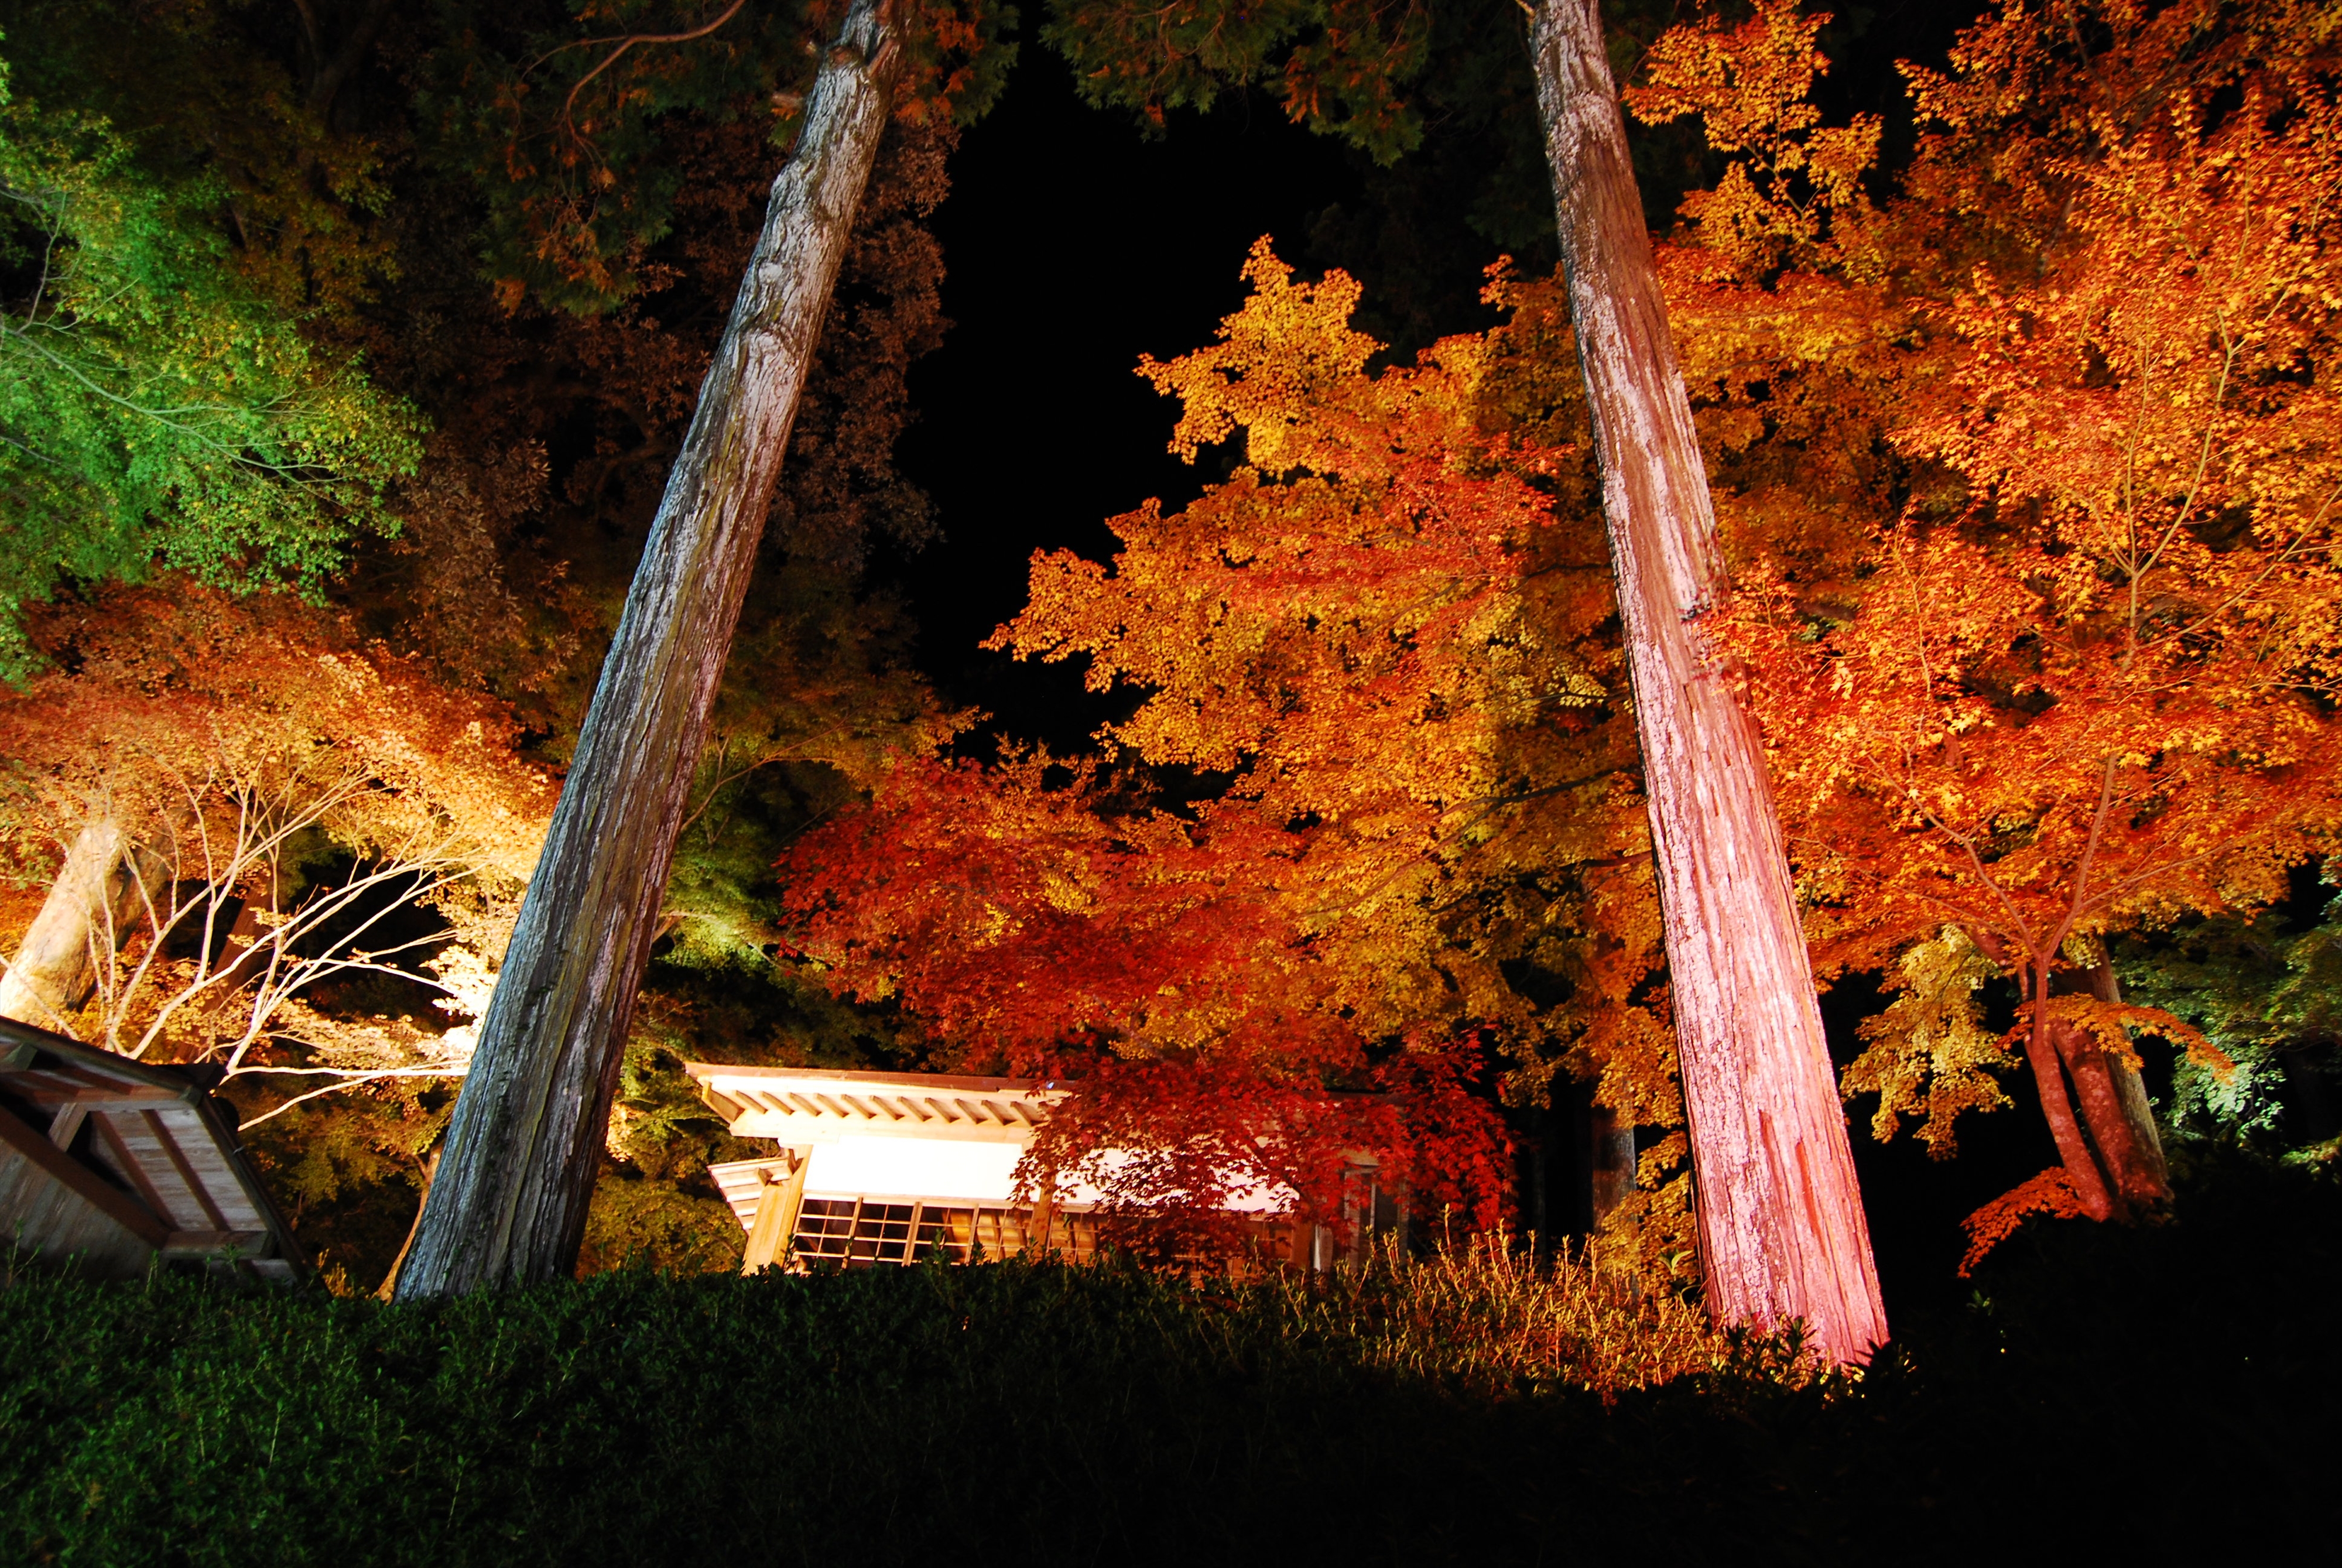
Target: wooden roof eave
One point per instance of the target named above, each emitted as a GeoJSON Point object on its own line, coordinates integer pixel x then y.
{"type": "Point", "coordinates": [818, 1105]}
{"type": "Point", "coordinates": [22, 1048]}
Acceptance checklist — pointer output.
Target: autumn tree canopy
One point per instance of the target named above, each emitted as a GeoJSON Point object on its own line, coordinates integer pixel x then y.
{"type": "Point", "coordinates": [2023, 455]}
{"type": "Point", "coordinates": [2031, 476]}
{"type": "Point", "coordinates": [1385, 640]}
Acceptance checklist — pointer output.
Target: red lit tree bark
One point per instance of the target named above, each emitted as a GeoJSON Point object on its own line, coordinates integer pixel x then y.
{"type": "Point", "coordinates": [509, 1200]}
{"type": "Point", "coordinates": [1781, 1226]}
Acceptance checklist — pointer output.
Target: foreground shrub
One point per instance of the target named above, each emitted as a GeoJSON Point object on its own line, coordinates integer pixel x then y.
{"type": "Point", "coordinates": [1106, 1416]}
{"type": "Point", "coordinates": [1490, 1319]}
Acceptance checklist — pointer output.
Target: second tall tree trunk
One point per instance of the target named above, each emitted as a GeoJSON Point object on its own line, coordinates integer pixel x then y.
{"type": "Point", "coordinates": [1781, 1227]}
{"type": "Point", "coordinates": [507, 1205]}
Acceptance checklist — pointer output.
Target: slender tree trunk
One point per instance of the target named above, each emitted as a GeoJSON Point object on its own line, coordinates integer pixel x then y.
{"type": "Point", "coordinates": [1609, 1162]}
{"type": "Point", "coordinates": [1781, 1227]}
{"type": "Point", "coordinates": [389, 1286]}
{"type": "Point", "coordinates": [95, 897]}
{"type": "Point", "coordinates": [2073, 1150]}
{"type": "Point", "coordinates": [508, 1203]}
{"type": "Point", "coordinates": [2114, 1109]}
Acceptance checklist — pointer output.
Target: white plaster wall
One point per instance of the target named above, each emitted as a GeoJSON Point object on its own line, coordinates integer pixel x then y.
{"type": "Point", "coordinates": [913, 1167]}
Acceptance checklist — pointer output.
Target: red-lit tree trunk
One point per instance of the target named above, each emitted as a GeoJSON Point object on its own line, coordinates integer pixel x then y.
{"type": "Point", "coordinates": [507, 1205]}
{"type": "Point", "coordinates": [1781, 1227]}
{"type": "Point", "coordinates": [2116, 1140]}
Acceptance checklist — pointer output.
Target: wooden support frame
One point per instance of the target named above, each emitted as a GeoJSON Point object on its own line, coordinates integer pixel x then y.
{"type": "Point", "coordinates": [80, 1179]}
{"type": "Point", "coordinates": [775, 1223]}
{"type": "Point", "coordinates": [109, 1165]}
{"type": "Point", "coordinates": [1044, 1214]}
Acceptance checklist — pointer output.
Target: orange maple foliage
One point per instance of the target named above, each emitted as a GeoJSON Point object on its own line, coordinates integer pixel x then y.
{"type": "Point", "coordinates": [241, 745]}
{"type": "Point", "coordinates": [1388, 636]}
{"type": "Point", "coordinates": [2034, 508]}
{"type": "Point", "coordinates": [1152, 965]}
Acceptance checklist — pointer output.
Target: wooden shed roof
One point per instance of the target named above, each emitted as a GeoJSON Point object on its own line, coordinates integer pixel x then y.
{"type": "Point", "coordinates": [107, 1165]}
{"type": "Point", "coordinates": [820, 1104]}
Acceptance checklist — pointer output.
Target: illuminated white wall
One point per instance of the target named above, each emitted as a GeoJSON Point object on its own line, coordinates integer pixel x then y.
{"type": "Point", "coordinates": [973, 1173]}
{"type": "Point", "coordinates": [914, 1167]}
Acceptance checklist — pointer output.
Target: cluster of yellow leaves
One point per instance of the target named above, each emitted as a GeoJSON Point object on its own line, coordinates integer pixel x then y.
{"type": "Point", "coordinates": [1937, 1060]}
{"type": "Point", "coordinates": [1794, 187]}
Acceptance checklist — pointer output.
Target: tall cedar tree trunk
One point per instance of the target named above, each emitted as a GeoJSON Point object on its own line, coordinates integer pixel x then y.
{"type": "Point", "coordinates": [507, 1205]}
{"type": "Point", "coordinates": [93, 899]}
{"type": "Point", "coordinates": [1781, 1227]}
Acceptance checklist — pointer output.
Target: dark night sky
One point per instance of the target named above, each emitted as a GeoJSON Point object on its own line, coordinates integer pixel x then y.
{"type": "Point", "coordinates": [1073, 245]}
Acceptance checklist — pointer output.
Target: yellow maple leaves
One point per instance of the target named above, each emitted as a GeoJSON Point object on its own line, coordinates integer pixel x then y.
{"type": "Point", "coordinates": [1794, 184]}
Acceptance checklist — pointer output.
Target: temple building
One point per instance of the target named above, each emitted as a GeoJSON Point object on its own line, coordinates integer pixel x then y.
{"type": "Point", "coordinates": [890, 1167]}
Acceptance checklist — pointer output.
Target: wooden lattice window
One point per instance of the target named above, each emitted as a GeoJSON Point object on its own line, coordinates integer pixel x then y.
{"type": "Point", "coordinates": [857, 1233]}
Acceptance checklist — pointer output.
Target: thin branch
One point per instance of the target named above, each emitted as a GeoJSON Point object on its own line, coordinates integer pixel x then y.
{"type": "Point", "coordinates": [624, 44]}
{"type": "Point", "coordinates": [337, 1088]}
{"type": "Point", "coordinates": [2089, 859]}
{"type": "Point", "coordinates": [2281, 557]}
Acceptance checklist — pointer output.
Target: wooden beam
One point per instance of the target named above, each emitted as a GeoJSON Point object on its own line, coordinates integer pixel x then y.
{"type": "Point", "coordinates": [40, 1093]}
{"type": "Point", "coordinates": [80, 1179]}
{"type": "Point", "coordinates": [775, 1224]}
{"type": "Point", "coordinates": [178, 1158]}
{"type": "Point", "coordinates": [111, 1136]}
{"type": "Point", "coordinates": [1043, 1213]}
{"type": "Point", "coordinates": [212, 1244]}
{"type": "Point", "coordinates": [66, 1123]}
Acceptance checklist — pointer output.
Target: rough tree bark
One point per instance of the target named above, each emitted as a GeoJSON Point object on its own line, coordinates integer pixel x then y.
{"type": "Point", "coordinates": [2118, 1120]}
{"type": "Point", "coordinates": [96, 896]}
{"type": "Point", "coordinates": [508, 1202]}
{"type": "Point", "coordinates": [1781, 1227]}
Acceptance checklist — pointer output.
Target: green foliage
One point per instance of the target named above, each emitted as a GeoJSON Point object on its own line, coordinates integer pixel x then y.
{"type": "Point", "coordinates": [1342, 67]}
{"type": "Point", "coordinates": [2270, 998]}
{"type": "Point", "coordinates": [317, 1154]}
{"type": "Point", "coordinates": [645, 1223]}
{"type": "Point", "coordinates": [155, 406]}
{"type": "Point", "coordinates": [884, 1416]}
{"type": "Point", "coordinates": [198, 88]}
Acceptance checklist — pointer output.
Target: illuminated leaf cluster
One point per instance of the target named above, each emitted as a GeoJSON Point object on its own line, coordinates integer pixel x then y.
{"type": "Point", "coordinates": [156, 406]}
{"type": "Point", "coordinates": [2033, 507]}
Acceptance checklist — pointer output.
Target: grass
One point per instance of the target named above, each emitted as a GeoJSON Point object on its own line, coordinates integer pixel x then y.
{"type": "Point", "coordinates": [2108, 1391]}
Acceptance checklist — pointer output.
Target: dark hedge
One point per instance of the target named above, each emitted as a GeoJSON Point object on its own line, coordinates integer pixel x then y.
{"type": "Point", "coordinates": [2147, 1392]}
